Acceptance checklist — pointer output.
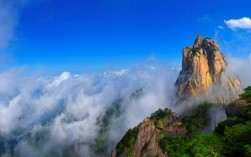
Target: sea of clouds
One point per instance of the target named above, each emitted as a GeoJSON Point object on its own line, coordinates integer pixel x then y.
{"type": "Point", "coordinates": [51, 115]}
{"type": "Point", "coordinates": [84, 114]}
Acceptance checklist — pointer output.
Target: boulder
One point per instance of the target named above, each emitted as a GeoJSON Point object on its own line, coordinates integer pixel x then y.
{"type": "Point", "coordinates": [238, 108]}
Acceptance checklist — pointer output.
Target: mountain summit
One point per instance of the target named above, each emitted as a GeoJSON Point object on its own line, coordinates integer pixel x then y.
{"type": "Point", "coordinates": [203, 75]}
{"type": "Point", "coordinates": [204, 67]}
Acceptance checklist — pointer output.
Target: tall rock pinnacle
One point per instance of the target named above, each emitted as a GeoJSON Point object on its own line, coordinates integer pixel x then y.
{"type": "Point", "coordinates": [203, 66]}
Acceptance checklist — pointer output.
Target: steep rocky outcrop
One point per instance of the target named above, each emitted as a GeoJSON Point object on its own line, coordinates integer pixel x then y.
{"type": "Point", "coordinates": [160, 123]}
{"type": "Point", "coordinates": [203, 75]}
{"type": "Point", "coordinates": [238, 108]}
{"type": "Point", "coordinates": [241, 107]}
{"type": "Point", "coordinates": [204, 67]}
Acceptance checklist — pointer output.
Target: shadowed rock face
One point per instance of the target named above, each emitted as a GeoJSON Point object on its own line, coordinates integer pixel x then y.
{"type": "Point", "coordinates": [203, 66]}
{"type": "Point", "coordinates": [237, 109]}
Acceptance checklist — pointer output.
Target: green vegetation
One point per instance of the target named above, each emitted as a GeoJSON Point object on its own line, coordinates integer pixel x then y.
{"type": "Point", "coordinates": [236, 135]}
{"type": "Point", "coordinates": [100, 143]}
{"type": "Point", "coordinates": [237, 138]}
{"type": "Point", "coordinates": [194, 143]}
{"type": "Point", "coordinates": [236, 132]}
{"type": "Point", "coordinates": [247, 97]}
{"type": "Point", "coordinates": [174, 146]}
{"type": "Point", "coordinates": [231, 137]}
{"type": "Point", "coordinates": [198, 145]}
{"type": "Point", "coordinates": [159, 114]}
{"type": "Point", "coordinates": [127, 141]}
{"type": "Point", "coordinates": [247, 94]}
{"type": "Point", "coordinates": [231, 121]}
{"type": "Point", "coordinates": [196, 122]}
{"type": "Point", "coordinates": [126, 144]}
{"type": "Point", "coordinates": [205, 145]}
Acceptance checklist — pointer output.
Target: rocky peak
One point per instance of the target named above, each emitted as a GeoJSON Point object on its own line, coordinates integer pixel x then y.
{"type": "Point", "coordinates": [203, 66]}
{"type": "Point", "coordinates": [198, 40]}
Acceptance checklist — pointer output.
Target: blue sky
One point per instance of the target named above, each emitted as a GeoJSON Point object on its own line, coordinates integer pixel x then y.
{"type": "Point", "coordinates": [86, 35]}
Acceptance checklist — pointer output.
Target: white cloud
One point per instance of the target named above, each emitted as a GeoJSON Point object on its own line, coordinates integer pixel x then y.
{"type": "Point", "coordinates": [64, 111]}
{"type": "Point", "coordinates": [241, 68]}
{"type": "Point", "coordinates": [64, 76]}
{"type": "Point", "coordinates": [242, 23]}
{"type": "Point", "coordinates": [68, 115]}
{"type": "Point", "coordinates": [220, 27]}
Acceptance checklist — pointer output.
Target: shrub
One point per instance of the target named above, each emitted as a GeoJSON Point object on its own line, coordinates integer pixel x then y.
{"type": "Point", "coordinates": [247, 94]}
{"type": "Point", "coordinates": [127, 141]}
{"type": "Point", "coordinates": [237, 138]}
{"type": "Point", "coordinates": [159, 114]}
{"type": "Point", "coordinates": [198, 120]}
{"type": "Point", "coordinates": [231, 121]}
{"type": "Point", "coordinates": [197, 146]}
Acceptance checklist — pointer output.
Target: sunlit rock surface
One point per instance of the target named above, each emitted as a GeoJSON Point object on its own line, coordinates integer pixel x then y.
{"type": "Point", "coordinates": [149, 131]}
{"type": "Point", "coordinates": [204, 67]}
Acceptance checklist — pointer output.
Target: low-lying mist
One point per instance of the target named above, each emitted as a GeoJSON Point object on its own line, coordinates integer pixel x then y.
{"type": "Point", "coordinates": [83, 115]}
{"type": "Point", "coordinates": [78, 115]}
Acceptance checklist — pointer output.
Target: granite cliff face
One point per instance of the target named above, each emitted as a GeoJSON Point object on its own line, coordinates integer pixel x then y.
{"type": "Point", "coordinates": [204, 67]}
{"type": "Point", "coordinates": [144, 143]}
